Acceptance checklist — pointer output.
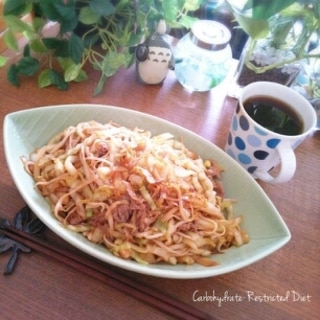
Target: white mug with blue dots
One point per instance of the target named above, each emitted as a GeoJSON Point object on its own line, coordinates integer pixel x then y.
{"type": "Point", "coordinates": [256, 143]}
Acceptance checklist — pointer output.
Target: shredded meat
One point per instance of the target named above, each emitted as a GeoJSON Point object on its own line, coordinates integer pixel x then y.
{"type": "Point", "coordinates": [101, 149]}
{"type": "Point", "coordinates": [75, 219]}
{"type": "Point", "coordinates": [190, 226]}
{"type": "Point", "coordinates": [218, 188]}
{"type": "Point", "coordinates": [122, 213]}
{"type": "Point", "coordinates": [98, 219]}
{"type": "Point", "coordinates": [142, 217]}
{"type": "Point", "coordinates": [214, 173]}
{"type": "Point", "coordinates": [136, 212]}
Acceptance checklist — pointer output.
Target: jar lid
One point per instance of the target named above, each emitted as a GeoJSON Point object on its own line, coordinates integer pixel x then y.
{"type": "Point", "coordinates": [210, 35]}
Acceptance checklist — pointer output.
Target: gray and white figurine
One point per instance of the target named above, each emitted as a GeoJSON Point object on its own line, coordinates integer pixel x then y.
{"type": "Point", "coordinates": [154, 58]}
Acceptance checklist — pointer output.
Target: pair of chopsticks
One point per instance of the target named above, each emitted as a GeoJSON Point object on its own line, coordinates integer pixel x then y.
{"type": "Point", "coordinates": [151, 297]}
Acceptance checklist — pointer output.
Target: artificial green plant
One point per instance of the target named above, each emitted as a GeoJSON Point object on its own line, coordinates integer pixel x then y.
{"type": "Point", "coordinates": [274, 19]}
{"type": "Point", "coordinates": [102, 33]}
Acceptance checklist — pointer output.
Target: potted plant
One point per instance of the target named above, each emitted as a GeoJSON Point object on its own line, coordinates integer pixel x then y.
{"type": "Point", "coordinates": [280, 33]}
{"type": "Point", "coordinates": [101, 33]}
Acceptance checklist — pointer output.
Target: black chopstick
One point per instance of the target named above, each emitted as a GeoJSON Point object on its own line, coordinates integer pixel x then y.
{"type": "Point", "coordinates": [156, 299]}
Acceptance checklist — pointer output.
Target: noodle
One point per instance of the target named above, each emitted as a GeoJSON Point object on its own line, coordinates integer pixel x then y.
{"type": "Point", "coordinates": [143, 197]}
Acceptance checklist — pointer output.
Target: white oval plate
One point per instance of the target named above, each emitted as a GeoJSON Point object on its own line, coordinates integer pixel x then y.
{"type": "Point", "coordinates": [28, 129]}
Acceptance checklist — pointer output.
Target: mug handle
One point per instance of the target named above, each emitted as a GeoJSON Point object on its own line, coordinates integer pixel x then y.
{"type": "Point", "coordinates": [288, 165]}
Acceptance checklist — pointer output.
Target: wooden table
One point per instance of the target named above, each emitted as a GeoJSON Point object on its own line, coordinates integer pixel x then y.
{"type": "Point", "coordinates": [42, 288]}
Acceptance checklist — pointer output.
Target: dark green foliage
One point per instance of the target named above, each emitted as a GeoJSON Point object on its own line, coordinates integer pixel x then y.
{"type": "Point", "coordinates": [102, 33]}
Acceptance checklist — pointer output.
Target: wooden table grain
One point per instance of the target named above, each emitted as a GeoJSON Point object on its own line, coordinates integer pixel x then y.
{"type": "Point", "coordinates": [285, 285]}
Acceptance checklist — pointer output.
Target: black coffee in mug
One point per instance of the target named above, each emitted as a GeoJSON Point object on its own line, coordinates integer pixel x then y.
{"type": "Point", "coordinates": [274, 115]}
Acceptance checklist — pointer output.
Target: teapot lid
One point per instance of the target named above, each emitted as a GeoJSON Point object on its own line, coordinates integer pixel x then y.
{"type": "Point", "coordinates": [210, 35]}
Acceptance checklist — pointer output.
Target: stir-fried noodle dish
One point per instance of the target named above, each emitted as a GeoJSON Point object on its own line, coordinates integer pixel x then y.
{"type": "Point", "coordinates": [144, 197]}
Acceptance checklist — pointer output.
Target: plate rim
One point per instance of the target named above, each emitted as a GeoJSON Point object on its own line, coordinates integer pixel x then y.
{"type": "Point", "coordinates": [130, 265]}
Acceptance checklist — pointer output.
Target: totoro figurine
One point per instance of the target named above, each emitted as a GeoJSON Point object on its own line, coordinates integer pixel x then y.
{"type": "Point", "coordinates": [154, 58]}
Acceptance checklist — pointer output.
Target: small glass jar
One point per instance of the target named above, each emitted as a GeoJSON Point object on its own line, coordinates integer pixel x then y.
{"type": "Point", "coordinates": [203, 56]}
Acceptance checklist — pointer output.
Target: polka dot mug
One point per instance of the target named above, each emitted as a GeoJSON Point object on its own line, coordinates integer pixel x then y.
{"type": "Point", "coordinates": [258, 149]}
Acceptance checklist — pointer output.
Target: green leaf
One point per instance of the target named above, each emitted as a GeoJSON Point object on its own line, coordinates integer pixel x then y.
{"type": "Point", "coordinates": [100, 85]}
{"type": "Point", "coordinates": [29, 34]}
{"type": "Point", "coordinates": [51, 43]}
{"type": "Point", "coordinates": [265, 9]}
{"type": "Point", "coordinates": [58, 10]}
{"type": "Point", "coordinates": [38, 23]}
{"type": "Point", "coordinates": [112, 62]}
{"type": "Point", "coordinates": [124, 38]}
{"type": "Point", "coordinates": [102, 7]}
{"type": "Point", "coordinates": [253, 17]}
{"type": "Point", "coordinates": [256, 29]}
{"type": "Point", "coordinates": [26, 50]}
{"type": "Point", "coordinates": [134, 39]}
{"type": "Point", "coordinates": [58, 80]}
{"type": "Point", "coordinates": [61, 11]}
{"type": "Point", "coordinates": [66, 9]}
{"type": "Point", "coordinates": [12, 75]}
{"type": "Point", "coordinates": [91, 40]}
{"type": "Point", "coordinates": [50, 77]}
{"type": "Point", "coordinates": [3, 61]}
{"type": "Point", "coordinates": [128, 58]}
{"type": "Point", "coordinates": [38, 46]}
{"type": "Point", "coordinates": [59, 47]}
{"type": "Point", "coordinates": [192, 5]}
{"type": "Point", "coordinates": [62, 50]}
{"type": "Point", "coordinates": [65, 63]}
{"type": "Point", "coordinates": [68, 25]}
{"type": "Point", "coordinates": [110, 65]}
{"type": "Point", "coordinates": [15, 7]}
{"type": "Point", "coordinates": [260, 9]}
{"type": "Point", "coordinates": [82, 76]}
{"type": "Point", "coordinates": [76, 48]}
{"type": "Point", "coordinates": [44, 79]}
{"type": "Point", "coordinates": [87, 16]}
{"type": "Point", "coordinates": [17, 25]}
{"type": "Point", "coordinates": [28, 66]}
{"type": "Point", "coordinates": [69, 67]}
{"type": "Point", "coordinates": [72, 72]}
{"type": "Point", "coordinates": [11, 40]}
{"type": "Point", "coordinates": [170, 9]}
